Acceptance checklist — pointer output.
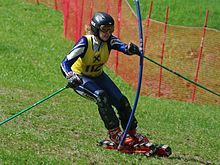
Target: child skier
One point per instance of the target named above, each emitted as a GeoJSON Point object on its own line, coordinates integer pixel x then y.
{"type": "Point", "coordinates": [83, 68]}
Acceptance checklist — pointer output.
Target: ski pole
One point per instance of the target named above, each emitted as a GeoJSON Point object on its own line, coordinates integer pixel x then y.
{"type": "Point", "coordinates": [139, 76]}
{"type": "Point", "coordinates": [35, 104]}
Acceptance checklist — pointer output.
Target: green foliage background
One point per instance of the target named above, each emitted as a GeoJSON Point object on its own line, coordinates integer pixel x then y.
{"type": "Point", "coordinates": [186, 13]}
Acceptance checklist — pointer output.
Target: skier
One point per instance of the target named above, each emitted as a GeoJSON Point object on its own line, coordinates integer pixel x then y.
{"type": "Point", "coordinates": [83, 68]}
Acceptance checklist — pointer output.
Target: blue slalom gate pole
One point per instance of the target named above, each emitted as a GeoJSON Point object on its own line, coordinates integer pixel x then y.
{"type": "Point", "coordinates": [139, 75]}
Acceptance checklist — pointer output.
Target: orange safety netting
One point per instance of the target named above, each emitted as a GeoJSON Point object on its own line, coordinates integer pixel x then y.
{"type": "Point", "coordinates": [181, 49]}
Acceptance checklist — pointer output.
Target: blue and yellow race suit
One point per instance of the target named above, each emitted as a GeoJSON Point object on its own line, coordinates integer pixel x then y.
{"type": "Point", "coordinates": [87, 59]}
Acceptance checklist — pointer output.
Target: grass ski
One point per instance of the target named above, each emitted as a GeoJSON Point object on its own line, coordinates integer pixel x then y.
{"type": "Point", "coordinates": [147, 149]}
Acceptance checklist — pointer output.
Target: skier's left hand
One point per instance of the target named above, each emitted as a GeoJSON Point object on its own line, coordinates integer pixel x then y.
{"type": "Point", "coordinates": [133, 49]}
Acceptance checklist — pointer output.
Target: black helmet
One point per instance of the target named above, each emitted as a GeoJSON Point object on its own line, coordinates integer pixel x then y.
{"type": "Point", "coordinates": [100, 18]}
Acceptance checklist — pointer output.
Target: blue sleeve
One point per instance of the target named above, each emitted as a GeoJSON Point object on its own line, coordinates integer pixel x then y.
{"type": "Point", "coordinates": [116, 44]}
{"type": "Point", "coordinates": [77, 51]}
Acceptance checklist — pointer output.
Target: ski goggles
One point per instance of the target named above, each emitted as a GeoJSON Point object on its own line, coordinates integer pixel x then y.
{"type": "Point", "coordinates": [107, 28]}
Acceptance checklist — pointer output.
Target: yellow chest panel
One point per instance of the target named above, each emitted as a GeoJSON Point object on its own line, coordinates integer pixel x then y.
{"type": "Point", "coordinates": [91, 64]}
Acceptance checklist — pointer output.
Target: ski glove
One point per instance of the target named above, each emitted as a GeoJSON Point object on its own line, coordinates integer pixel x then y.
{"type": "Point", "coordinates": [73, 80]}
{"type": "Point", "coordinates": [133, 49]}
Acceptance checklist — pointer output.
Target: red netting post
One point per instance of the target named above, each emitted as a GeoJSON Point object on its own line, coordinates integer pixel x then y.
{"type": "Point", "coordinates": [162, 52]}
{"type": "Point", "coordinates": [119, 27]}
{"type": "Point", "coordinates": [107, 6]}
{"type": "Point", "coordinates": [81, 20]}
{"type": "Point", "coordinates": [147, 27]}
{"type": "Point", "coordinates": [66, 16]}
{"type": "Point", "coordinates": [55, 4]}
{"type": "Point", "coordinates": [75, 19]}
{"type": "Point", "coordinates": [91, 10]}
{"type": "Point", "coordinates": [199, 57]}
{"type": "Point", "coordinates": [37, 1]}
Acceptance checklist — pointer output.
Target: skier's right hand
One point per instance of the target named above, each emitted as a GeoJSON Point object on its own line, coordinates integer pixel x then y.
{"type": "Point", "coordinates": [73, 80]}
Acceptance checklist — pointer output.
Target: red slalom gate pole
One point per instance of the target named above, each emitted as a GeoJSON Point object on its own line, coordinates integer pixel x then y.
{"type": "Point", "coordinates": [200, 56]}
{"type": "Point", "coordinates": [162, 53]}
{"type": "Point", "coordinates": [148, 23]}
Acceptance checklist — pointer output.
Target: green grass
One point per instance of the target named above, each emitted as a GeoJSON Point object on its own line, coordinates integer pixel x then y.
{"type": "Point", "coordinates": [64, 129]}
{"type": "Point", "coordinates": [186, 13]}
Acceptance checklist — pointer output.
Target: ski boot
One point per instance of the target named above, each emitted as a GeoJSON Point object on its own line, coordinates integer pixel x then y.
{"type": "Point", "coordinates": [139, 138]}
{"type": "Point", "coordinates": [116, 135]}
{"type": "Point", "coordinates": [143, 143]}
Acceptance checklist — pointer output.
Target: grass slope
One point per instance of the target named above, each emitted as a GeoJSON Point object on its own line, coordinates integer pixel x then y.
{"type": "Point", "coordinates": [64, 129]}
{"type": "Point", "coordinates": [186, 13]}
